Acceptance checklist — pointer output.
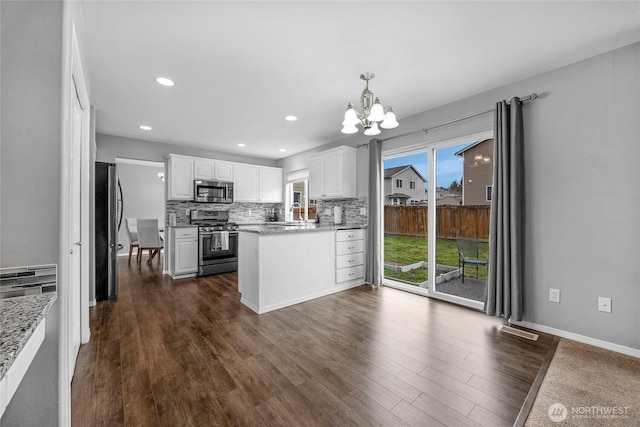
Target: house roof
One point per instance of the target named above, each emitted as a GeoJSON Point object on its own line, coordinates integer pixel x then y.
{"type": "Point", "coordinates": [470, 146]}
{"type": "Point", "coordinates": [390, 172]}
{"type": "Point", "coordinates": [399, 195]}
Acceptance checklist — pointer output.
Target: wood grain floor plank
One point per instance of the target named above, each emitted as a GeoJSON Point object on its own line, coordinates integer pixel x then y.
{"type": "Point", "coordinates": [188, 353]}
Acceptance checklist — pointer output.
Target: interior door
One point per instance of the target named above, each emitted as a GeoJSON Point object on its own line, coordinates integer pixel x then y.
{"type": "Point", "coordinates": [74, 230]}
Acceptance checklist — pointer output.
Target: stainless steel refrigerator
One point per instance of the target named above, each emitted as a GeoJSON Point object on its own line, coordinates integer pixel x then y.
{"type": "Point", "coordinates": [106, 231]}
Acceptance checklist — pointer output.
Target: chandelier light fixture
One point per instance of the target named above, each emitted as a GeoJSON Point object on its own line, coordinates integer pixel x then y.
{"type": "Point", "coordinates": [372, 113]}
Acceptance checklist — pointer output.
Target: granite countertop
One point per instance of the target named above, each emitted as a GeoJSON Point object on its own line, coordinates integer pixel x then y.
{"type": "Point", "coordinates": [19, 317]}
{"type": "Point", "coordinates": [277, 228]}
{"type": "Point", "coordinates": [183, 226]}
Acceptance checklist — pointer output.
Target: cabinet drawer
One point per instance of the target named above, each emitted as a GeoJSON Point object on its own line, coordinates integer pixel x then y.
{"type": "Point", "coordinates": [186, 233]}
{"type": "Point", "coordinates": [345, 248]}
{"type": "Point", "coordinates": [348, 235]}
{"type": "Point", "coordinates": [348, 274]}
{"type": "Point", "coordinates": [347, 261]}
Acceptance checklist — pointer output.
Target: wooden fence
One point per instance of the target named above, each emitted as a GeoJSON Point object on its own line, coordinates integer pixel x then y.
{"type": "Point", "coordinates": [452, 222]}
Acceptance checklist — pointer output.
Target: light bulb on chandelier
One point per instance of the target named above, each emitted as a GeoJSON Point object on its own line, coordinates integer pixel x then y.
{"type": "Point", "coordinates": [372, 113]}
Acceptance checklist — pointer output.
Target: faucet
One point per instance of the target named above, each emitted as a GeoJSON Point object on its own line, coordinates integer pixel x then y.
{"type": "Point", "coordinates": [299, 212]}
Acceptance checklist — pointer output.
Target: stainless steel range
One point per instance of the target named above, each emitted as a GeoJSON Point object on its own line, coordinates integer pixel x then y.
{"type": "Point", "coordinates": [217, 242]}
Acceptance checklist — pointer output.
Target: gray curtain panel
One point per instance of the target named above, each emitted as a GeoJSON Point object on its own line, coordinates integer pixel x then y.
{"type": "Point", "coordinates": [505, 282]}
{"type": "Point", "coordinates": [375, 261]}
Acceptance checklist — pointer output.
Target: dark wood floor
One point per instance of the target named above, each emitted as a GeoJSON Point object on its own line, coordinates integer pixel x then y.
{"type": "Point", "coordinates": [188, 353]}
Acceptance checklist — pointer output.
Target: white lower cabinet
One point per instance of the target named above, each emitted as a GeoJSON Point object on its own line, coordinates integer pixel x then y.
{"type": "Point", "coordinates": [183, 252]}
{"type": "Point", "coordinates": [349, 255]}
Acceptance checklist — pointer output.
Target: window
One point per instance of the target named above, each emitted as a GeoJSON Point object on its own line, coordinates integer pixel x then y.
{"type": "Point", "coordinates": [398, 183]}
{"type": "Point", "coordinates": [412, 185]}
{"type": "Point", "coordinates": [297, 205]}
{"type": "Point", "coordinates": [489, 191]}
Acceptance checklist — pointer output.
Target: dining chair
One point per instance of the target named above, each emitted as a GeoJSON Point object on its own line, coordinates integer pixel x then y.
{"type": "Point", "coordinates": [149, 238]}
{"type": "Point", "coordinates": [132, 233]}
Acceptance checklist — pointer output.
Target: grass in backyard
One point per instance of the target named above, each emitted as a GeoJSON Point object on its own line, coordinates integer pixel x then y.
{"type": "Point", "coordinates": [405, 250]}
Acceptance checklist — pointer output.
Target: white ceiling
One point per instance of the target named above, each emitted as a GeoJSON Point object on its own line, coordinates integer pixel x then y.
{"type": "Point", "coordinates": [240, 67]}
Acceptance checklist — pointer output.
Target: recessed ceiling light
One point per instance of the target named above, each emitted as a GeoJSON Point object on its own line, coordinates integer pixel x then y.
{"type": "Point", "coordinates": [283, 150]}
{"type": "Point", "coordinates": [241, 145]}
{"type": "Point", "coordinates": [165, 81]}
{"type": "Point", "coordinates": [290, 118]}
{"type": "Point", "coordinates": [145, 127]}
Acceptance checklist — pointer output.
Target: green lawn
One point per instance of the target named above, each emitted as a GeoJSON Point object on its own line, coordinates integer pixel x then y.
{"type": "Point", "coordinates": [403, 250]}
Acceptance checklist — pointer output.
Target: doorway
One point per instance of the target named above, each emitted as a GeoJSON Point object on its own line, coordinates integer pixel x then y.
{"type": "Point", "coordinates": [142, 185]}
{"type": "Point", "coordinates": [427, 218]}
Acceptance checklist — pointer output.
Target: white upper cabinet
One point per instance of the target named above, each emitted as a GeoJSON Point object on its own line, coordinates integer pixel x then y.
{"type": "Point", "coordinates": [257, 184]}
{"type": "Point", "coordinates": [252, 183]}
{"type": "Point", "coordinates": [246, 183]}
{"type": "Point", "coordinates": [204, 169]}
{"type": "Point", "coordinates": [270, 185]}
{"type": "Point", "coordinates": [212, 170]}
{"type": "Point", "coordinates": [223, 171]}
{"type": "Point", "coordinates": [180, 177]}
{"type": "Point", "coordinates": [332, 174]}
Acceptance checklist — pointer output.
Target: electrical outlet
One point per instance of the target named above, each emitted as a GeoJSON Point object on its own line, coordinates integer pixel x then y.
{"type": "Point", "coordinates": [249, 211]}
{"type": "Point", "coordinates": [604, 304]}
{"type": "Point", "coordinates": [363, 211]}
{"type": "Point", "coordinates": [554, 295]}
{"type": "Point", "coordinates": [188, 211]}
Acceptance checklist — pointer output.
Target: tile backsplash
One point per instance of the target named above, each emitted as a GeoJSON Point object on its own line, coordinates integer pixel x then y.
{"type": "Point", "coordinates": [350, 210]}
{"type": "Point", "coordinates": [238, 212]}
{"type": "Point", "coordinates": [259, 212]}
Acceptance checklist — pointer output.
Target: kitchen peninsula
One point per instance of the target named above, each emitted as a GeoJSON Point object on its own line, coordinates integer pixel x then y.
{"type": "Point", "coordinates": [282, 265]}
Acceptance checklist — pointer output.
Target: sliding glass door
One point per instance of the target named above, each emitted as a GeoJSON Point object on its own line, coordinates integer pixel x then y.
{"type": "Point", "coordinates": [405, 219]}
{"type": "Point", "coordinates": [436, 220]}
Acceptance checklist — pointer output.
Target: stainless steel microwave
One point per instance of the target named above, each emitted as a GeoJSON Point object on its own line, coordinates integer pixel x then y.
{"type": "Point", "coordinates": [212, 191]}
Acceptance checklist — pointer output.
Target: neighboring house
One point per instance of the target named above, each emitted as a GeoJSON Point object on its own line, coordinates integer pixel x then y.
{"type": "Point", "coordinates": [477, 173]}
{"type": "Point", "coordinates": [403, 185]}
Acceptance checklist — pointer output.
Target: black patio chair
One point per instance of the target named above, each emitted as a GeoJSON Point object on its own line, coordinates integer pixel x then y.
{"type": "Point", "coordinates": [469, 254]}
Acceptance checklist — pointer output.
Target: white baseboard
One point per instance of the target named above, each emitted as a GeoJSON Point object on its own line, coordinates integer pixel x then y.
{"type": "Point", "coordinates": [580, 338]}
{"type": "Point", "coordinates": [92, 303]}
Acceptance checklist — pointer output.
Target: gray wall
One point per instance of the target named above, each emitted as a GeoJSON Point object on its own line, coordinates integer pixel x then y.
{"type": "Point", "coordinates": [31, 60]}
{"type": "Point", "coordinates": [582, 194]}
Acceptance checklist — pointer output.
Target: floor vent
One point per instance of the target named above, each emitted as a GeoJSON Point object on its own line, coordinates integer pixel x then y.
{"type": "Point", "coordinates": [519, 333]}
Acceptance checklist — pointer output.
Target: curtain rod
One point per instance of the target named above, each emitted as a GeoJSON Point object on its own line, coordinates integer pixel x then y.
{"type": "Point", "coordinates": [527, 98]}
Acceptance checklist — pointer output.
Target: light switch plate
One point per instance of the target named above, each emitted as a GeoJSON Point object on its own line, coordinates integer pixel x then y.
{"type": "Point", "coordinates": [363, 211]}
{"type": "Point", "coordinates": [604, 304]}
{"type": "Point", "coordinates": [554, 295]}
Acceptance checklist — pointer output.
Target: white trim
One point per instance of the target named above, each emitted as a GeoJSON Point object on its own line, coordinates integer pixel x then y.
{"type": "Point", "coordinates": [390, 153]}
{"type": "Point", "coordinates": [73, 81]}
{"type": "Point", "coordinates": [424, 292]}
{"type": "Point", "coordinates": [580, 338]}
{"type": "Point", "coordinates": [139, 162]}
{"type": "Point", "coordinates": [299, 175]}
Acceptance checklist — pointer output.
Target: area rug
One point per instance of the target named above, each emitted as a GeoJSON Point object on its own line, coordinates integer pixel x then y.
{"type": "Point", "coordinates": [588, 386]}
